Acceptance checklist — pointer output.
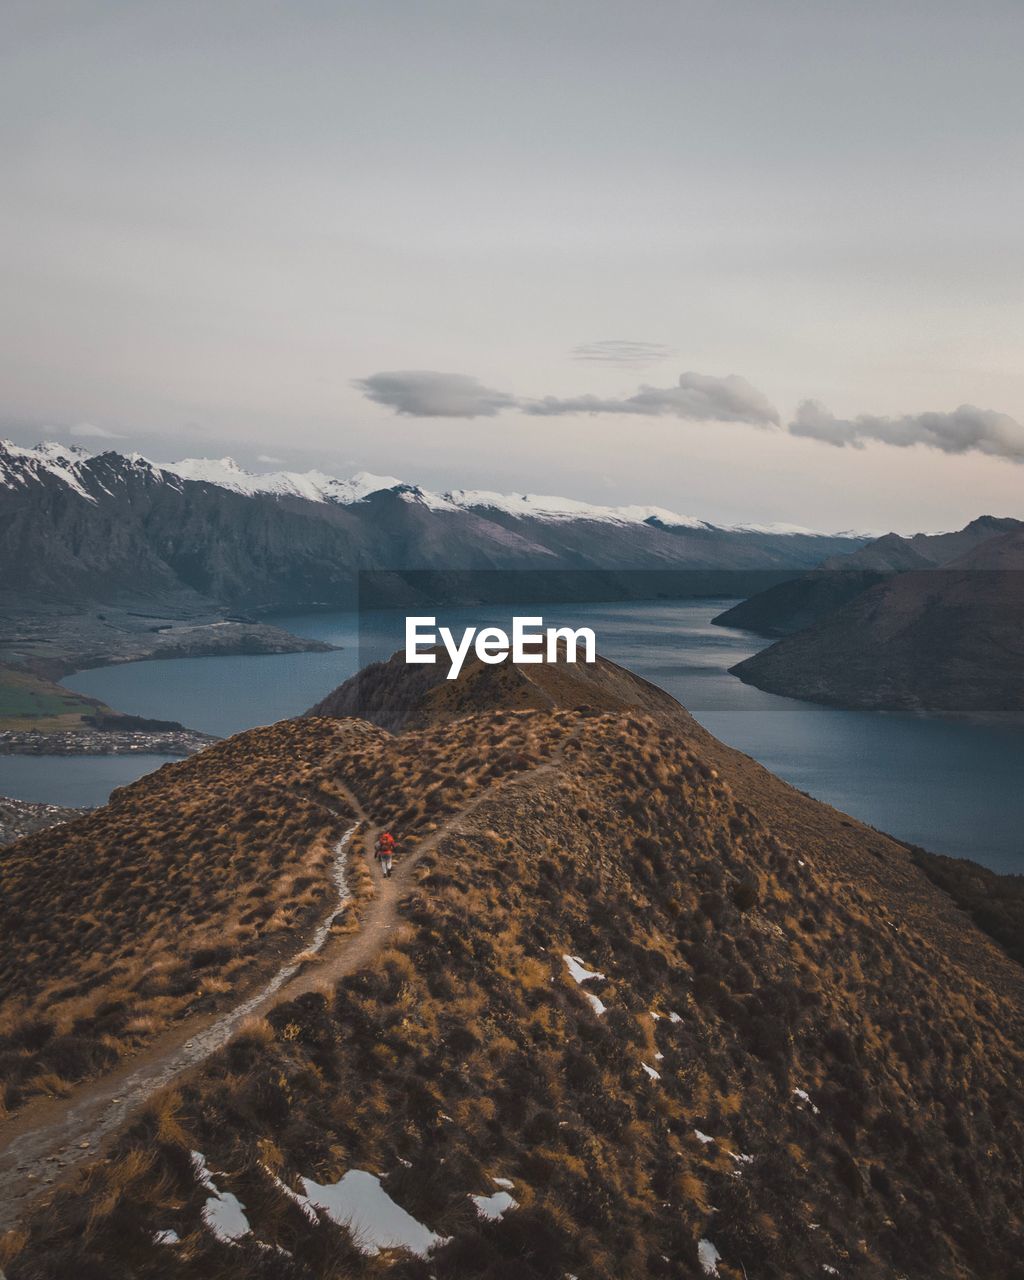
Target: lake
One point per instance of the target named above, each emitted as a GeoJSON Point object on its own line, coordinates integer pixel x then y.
{"type": "Point", "coordinates": [952, 787]}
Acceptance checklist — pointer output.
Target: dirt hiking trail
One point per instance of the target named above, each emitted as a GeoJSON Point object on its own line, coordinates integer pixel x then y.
{"type": "Point", "coordinates": [42, 1144]}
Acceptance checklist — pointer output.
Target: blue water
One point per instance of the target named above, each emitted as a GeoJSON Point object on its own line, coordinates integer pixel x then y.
{"type": "Point", "coordinates": [951, 787]}
{"type": "Point", "coordinates": [75, 781]}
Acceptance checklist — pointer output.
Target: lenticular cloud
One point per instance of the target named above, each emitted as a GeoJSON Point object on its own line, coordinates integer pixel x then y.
{"type": "Point", "coordinates": [967, 429]}
{"type": "Point", "coordinates": [699, 397]}
{"type": "Point", "coordinates": [422, 393]}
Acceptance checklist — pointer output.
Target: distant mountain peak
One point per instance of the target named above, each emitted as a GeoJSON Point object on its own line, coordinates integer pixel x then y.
{"type": "Point", "coordinates": [54, 449]}
{"type": "Point", "coordinates": [314, 486]}
{"type": "Point", "coordinates": [20, 465]}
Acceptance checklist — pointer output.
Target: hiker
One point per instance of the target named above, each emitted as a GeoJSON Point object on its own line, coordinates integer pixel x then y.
{"type": "Point", "coordinates": [385, 852]}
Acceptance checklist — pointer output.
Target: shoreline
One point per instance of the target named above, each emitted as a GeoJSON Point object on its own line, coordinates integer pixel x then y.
{"type": "Point", "coordinates": [222, 638]}
{"type": "Point", "coordinates": [982, 719]}
{"type": "Point", "coordinates": [179, 743]}
{"type": "Point", "coordinates": [39, 650]}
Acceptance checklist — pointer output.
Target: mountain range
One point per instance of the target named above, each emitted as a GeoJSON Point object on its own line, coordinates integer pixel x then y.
{"type": "Point", "coordinates": [930, 623]}
{"type": "Point", "coordinates": [113, 528]}
{"type": "Point", "coordinates": [630, 1007]}
{"type": "Point", "coordinates": [795, 604]}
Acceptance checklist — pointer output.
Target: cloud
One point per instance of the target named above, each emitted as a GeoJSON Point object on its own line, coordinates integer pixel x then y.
{"type": "Point", "coordinates": [88, 431]}
{"type": "Point", "coordinates": [697, 396]}
{"type": "Point", "coordinates": [967, 429]}
{"type": "Point", "coordinates": [621, 353]}
{"type": "Point", "coordinates": [423, 394]}
{"type": "Point", "coordinates": [268, 457]}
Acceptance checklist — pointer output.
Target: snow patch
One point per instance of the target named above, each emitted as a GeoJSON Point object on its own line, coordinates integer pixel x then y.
{"type": "Point", "coordinates": [578, 970]}
{"type": "Point", "coordinates": [358, 1201]}
{"type": "Point", "coordinates": [496, 1206]}
{"type": "Point", "coordinates": [167, 1236]}
{"type": "Point", "coordinates": [702, 1137]}
{"type": "Point", "coordinates": [804, 1096]}
{"type": "Point", "coordinates": [655, 1075]}
{"type": "Point", "coordinates": [294, 1196]}
{"type": "Point", "coordinates": [579, 973]}
{"type": "Point", "coordinates": [708, 1257]}
{"type": "Point", "coordinates": [223, 1212]}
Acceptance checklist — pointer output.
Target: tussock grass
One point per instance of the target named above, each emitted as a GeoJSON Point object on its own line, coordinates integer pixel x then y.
{"type": "Point", "coordinates": [168, 901]}
{"type": "Point", "coordinates": [465, 1052]}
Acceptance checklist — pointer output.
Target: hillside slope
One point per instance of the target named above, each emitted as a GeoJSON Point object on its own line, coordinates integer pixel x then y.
{"type": "Point", "coordinates": [799, 603]}
{"type": "Point", "coordinates": [948, 641]}
{"type": "Point", "coordinates": [168, 901]}
{"type": "Point", "coordinates": [645, 1011]}
{"type": "Point", "coordinates": [786, 607]}
{"type": "Point", "coordinates": [398, 696]}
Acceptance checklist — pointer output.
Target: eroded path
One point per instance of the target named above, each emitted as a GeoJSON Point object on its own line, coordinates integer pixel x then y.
{"type": "Point", "coordinates": [41, 1144]}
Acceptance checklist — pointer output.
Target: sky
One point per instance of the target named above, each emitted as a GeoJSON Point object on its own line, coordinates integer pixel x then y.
{"type": "Point", "coordinates": [747, 261]}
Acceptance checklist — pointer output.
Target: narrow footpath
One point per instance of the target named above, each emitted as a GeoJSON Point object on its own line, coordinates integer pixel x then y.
{"type": "Point", "coordinates": [41, 1145]}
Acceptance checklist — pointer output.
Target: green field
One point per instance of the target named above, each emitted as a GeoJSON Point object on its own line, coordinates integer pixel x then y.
{"type": "Point", "coordinates": [30, 702]}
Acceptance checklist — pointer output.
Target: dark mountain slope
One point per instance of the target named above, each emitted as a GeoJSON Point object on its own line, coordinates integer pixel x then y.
{"type": "Point", "coordinates": [59, 543]}
{"type": "Point", "coordinates": [994, 902]}
{"type": "Point", "coordinates": [80, 530]}
{"type": "Point", "coordinates": [799, 603]}
{"type": "Point", "coordinates": [893, 553]}
{"type": "Point", "coordinates": [944, 548]}
{"type": "Point", "coordinates": [949, 640]}
{"type": "Point", "coordinates": [1003, 554]}
{"type": "Point", "coordinates": [803, 1057]}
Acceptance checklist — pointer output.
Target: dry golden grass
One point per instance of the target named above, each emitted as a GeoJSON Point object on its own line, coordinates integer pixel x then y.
{"type": "Point", "coordinates": [170, 900]}
{"type": "Point", "coordinates": [465, 1052]}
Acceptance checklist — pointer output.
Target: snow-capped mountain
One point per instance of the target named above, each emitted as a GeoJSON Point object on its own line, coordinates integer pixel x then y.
{"type": "Point", "coordinates": [66, 462]}
{"type": "Point", "coordinates": [20, 466]}
{"type": "Point", "coordinates": [81, 471]}
{"type": "Point", "coordinates": [76, 526]}
{"type": "Point", "coordinates": [316, 486]}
